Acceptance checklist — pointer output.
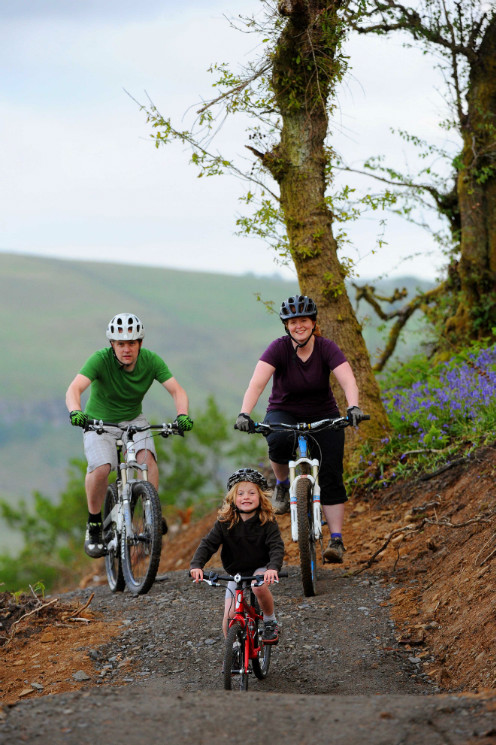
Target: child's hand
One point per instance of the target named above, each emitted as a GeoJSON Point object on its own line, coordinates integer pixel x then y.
{"type": "Point", "coordinates": [271, 576]}
{"type": "Point", "coordinates": [197, 574]}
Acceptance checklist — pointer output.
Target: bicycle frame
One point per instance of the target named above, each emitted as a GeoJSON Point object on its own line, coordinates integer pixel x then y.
{"type": "Point", "coordinates": [128, 468]}
{"type": "Point", "coordinates": [246, 616]}
{"type": "Point", "coordinates": [132, 523]}
{"type": "Point", "coordinates": [121, 512]}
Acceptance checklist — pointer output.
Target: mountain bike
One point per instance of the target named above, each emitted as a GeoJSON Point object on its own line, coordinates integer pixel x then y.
{"type": "Point", "coordinates": [132, 514]}
{"type": "Point", "coordinates": [245, 651]}
{"type": "Point", "coordinates": [304, 493]}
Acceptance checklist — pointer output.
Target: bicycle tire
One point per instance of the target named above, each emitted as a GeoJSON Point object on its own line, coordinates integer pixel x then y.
{"type": "Point", "coordinates": [113, 564]}
{"type": "Point", "coordinates": [234, 659]}
{"type": "Point", "coordinates": [306, 540]}
{"type": "Point", "coordinates": [261, 663]}
{"type": "Point", "coordinates": [140, 552]}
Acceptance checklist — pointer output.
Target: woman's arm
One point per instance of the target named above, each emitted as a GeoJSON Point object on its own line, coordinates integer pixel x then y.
{"type": "Point", "coordinates": [261, 376]}
{"type": "Point", "coordinates": [346, 379]}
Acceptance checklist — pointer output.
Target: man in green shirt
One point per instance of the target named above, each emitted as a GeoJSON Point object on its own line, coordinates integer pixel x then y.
{"type": "Point", "coordinates": [119, 376]}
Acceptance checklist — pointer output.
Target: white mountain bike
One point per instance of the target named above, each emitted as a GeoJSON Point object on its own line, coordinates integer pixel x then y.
{"type": "Point", "coordinates": [304, 493]}
{"type": "Point", "coordinates": [132, 514]}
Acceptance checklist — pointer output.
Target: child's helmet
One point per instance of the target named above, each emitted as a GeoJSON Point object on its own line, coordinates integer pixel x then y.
{"type": "Point", "coordinates": [298, 306]}
{"type": "Point", "coordinates": [247, 474]}
{"type": "Point", "coordinates": [125, 327]}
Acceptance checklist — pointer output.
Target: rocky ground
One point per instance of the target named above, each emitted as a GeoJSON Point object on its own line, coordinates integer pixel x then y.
{"type": "Point", "coordinates": [405, 624]}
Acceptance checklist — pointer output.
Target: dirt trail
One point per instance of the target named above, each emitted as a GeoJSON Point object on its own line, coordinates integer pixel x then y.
{"type": "Point", "coordinates": [338, 674]}
{"type": "Point", "coordinates": [375, 657]}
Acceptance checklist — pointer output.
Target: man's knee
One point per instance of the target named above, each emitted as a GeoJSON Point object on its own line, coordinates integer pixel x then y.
{"type": "Point", "coordinates": [146, 456]}
{"type": "Point", "coordinates": [99, 473]}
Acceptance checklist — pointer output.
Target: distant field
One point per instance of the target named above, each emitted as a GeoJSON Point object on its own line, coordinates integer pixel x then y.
{"type": "Point", "coordinates": [208, 327]}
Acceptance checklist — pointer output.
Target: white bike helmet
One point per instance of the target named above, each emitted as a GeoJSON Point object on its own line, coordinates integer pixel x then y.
{"type": "Point", "coordinates": [125, 327]}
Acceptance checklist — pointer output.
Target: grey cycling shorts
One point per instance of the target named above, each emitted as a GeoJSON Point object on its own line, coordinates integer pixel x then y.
{"type": "Point", "coordinates": [231, 586]}
{"type": "Point", "coordinates": [101, 449]}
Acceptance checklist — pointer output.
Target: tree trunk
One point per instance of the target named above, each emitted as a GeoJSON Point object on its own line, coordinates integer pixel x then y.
{"type": "Point", "coordinates": [476, 312]}
{"type": "Point", "coordinates": [305, 70]}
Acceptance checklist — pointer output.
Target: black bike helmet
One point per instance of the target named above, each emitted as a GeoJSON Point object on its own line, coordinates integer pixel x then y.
{"type": "Point", "coordinates": [298, 307]}
{"type": "Point", "coordinates": [247, 474]}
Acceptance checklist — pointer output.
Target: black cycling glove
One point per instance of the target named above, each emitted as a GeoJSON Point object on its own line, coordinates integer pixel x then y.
{"type": "Point", "coordinates": [355, 415]}
{"type": "Point", "coordinates": [184, 422]}
{"type": "Point", "coordinates": [78, 418]}
{"type": "Point", "coordinates": [245, 423]}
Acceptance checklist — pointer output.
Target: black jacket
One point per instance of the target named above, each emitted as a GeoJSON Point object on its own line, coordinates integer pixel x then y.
{"type": "Point", "coordinates": [247, 546]}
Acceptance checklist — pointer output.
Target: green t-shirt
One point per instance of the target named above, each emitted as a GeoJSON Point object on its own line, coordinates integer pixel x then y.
{"type": "Point", "coordinates": [116, 395]}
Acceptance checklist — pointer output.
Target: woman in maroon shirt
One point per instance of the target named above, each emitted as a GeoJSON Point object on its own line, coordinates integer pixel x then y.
{"type": "Point", "coordinates": [300, 364]}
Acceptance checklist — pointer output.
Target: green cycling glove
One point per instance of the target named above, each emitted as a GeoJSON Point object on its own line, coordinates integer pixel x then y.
{"type": "Point", "coordinates": [78, 418]}
{"type": "Point", "coordinates": [184, 422]}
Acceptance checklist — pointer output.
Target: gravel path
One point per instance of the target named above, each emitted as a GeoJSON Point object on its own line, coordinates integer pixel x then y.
{"type": "Point", "coordinates": [339, 642]}
{"type": "Point", "coordinates": [337, 661]}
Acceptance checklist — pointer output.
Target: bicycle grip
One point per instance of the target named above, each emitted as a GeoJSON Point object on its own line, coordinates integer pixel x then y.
{"type": "Point", "coordinates": [365, 417]}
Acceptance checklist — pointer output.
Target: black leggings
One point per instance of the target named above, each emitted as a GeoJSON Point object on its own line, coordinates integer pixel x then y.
{"type": "Point", "coordinates": [327, 446]}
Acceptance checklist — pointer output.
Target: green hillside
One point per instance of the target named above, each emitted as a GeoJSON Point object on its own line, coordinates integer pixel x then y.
{"type": "Point", "coordinates": [209, 328]}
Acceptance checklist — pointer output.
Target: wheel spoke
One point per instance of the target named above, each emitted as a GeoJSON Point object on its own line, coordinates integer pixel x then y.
{"type": "Point", "coordinates": [306, 539]}
{"type": "Point", "coordinates": [113, 565]}
{"type": "Point", "coordinates": [141, 549]}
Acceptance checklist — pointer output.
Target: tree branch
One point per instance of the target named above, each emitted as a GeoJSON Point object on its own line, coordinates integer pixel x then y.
{"type": "Point", "coordinates": [409, 20]}
{"type": "Point", "coordinates": [237, 88]}
{"type": "Point", "coordinates": [403, 314]}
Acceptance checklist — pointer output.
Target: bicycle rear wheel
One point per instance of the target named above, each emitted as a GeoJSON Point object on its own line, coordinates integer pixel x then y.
{"type": "Point", "coordinates": [235, 676]}
{"type": "Point", "coordinates": [140, 551]}
{"type": "Point", "coordinates": [261, 663]}
{"type": "Point", "coordinates": [113, 565]}
{"type": "Point", "coordinates": [306, 538]}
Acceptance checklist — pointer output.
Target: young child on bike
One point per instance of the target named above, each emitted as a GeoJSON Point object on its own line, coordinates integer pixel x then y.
{"type": "Point", "coordinates": [247, 530]}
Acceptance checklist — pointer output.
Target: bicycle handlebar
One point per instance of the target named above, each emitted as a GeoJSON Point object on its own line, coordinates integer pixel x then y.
{"type": "Point", "coordinates": [212, 578]}
{"type": "Point", "coordinates": [338, 423]}
{"type": "Point", "coordinates": [165, 429]}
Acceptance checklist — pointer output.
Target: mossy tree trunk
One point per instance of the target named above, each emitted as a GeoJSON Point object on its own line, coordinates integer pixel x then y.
{"type": "Point", "coordinates": [462, 38]}
{"type": "Point", "coordinates": [476, 185]}
{"type": "Point", "coordinates": [306, 68]}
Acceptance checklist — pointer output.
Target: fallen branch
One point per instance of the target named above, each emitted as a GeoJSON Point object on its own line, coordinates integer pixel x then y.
{"type": "Point", "coordinates": [35, 595]}
{"type": "Point", "coordinates": [457, 462]}
{"type": "Point", "coordinates": [410, 529]}
{"type": "Point", "coordinates": [80, 610]}
{"type": "Point", "coordinates": [35, 610]}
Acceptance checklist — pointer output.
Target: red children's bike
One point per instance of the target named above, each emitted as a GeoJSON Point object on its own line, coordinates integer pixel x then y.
{"type": "Point", "coordinates": [245, 651]}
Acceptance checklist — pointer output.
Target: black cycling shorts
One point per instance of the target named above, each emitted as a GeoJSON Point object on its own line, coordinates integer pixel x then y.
{"type": "Point", "coordinates": [326, 445]}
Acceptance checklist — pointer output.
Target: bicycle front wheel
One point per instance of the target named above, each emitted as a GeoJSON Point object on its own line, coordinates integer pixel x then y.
{"type": "Point", "coordinates": [113, 565]}
{"type": "Point", "coordinates": [306, 538]}
{"type": "Point", "coordinates": [235, 675]}
{"type": "Point", "coordinates": [140, 551]}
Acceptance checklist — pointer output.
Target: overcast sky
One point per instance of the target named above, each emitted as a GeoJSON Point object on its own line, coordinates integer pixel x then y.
{"type": "Point", "coordinates": [81, 177]}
